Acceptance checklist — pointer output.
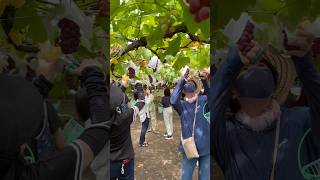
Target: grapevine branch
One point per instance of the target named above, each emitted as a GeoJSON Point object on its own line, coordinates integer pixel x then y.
{"type": "Point", "coordinates": [142, 42]}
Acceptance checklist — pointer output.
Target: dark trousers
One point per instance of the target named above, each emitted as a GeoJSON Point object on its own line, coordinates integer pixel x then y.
{"type": "Point", "coordinates": [122, 170]}
{"type": "Point", "coordinates": [144, 128]}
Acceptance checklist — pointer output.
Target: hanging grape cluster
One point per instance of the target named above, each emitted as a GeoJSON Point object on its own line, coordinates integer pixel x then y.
{"type": "Point", "coordinates": [69, 36]}
{"type": "Point", "coordinates": [150, 78]}
{"type": "Point", "coordinates": [244, 43]}
{"type": "Point", "coordinates": [131, 72]}
{"type": "Point", "coordinates": [200, 9]}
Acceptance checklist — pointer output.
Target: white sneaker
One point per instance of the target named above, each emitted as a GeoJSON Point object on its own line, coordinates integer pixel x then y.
{"type": "Point", "coordinates": [169, 137]}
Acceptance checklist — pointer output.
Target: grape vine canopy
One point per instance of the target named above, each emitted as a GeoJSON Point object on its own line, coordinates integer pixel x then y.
{"type": "Point", "coordinates": [157, 38]}
{"type": "Point", "coordinates": [273, 15]}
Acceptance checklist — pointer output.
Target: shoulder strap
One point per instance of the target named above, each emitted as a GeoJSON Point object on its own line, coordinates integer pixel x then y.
{"type": "Point", "coordinates": [275, 150]}
{"type": "Point", "coordinates": [195, 117]}
{"type": "Point", "coordinates": [45, 119]}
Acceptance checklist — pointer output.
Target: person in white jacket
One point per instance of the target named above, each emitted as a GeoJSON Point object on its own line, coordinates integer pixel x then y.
{"type": "Point", "coordinates": [152, 111]}
{"type": "Point", "coordinates": [144, 119]}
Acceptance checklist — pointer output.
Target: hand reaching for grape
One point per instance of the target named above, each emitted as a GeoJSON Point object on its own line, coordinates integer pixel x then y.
{"type": "Point", "coordinates": [187, 75]}
{"type": "Point", "coordinates": [303, 43]}
{"type": "Point", "coordinates": [251, 54]}
{"type": "Point", "coordinates": [200, 9]}
{"type": "Point", "coordinates": [203, 75]}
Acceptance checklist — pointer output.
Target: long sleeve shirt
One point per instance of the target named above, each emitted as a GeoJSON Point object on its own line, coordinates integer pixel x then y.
{"type": "Point", "coordinates": [186, 112]}
{"type": "Point", "coordinates": [244, 154]}
{"type": "Point", "coordinates": [67, 164]}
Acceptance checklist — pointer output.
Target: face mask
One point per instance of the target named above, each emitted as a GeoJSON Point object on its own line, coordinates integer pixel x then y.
{"type": "Point", "coordinates": [189, 87]}
{"type": "Point", "coordinates": [255, 83]}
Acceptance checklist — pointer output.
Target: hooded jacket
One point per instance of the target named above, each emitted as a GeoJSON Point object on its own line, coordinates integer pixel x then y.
{"type": "Point", "coordinates": [244, 154]}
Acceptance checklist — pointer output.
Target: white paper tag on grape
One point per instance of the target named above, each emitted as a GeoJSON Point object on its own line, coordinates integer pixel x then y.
{"type": "Point", "coordinates": [153, 62]}
{"type": "Point", "coordinates": [133, 66]}
{"type": "Point", "coordinates": [184, 70]}
{"type": "Point", "coordinates": [234, 29]}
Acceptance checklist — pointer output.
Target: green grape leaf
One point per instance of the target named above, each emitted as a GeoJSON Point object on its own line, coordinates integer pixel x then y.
{"type": "Point", "coordinates": [156, 37]}
{"type": "Point", "coordinates": [174, 46]}
{"type": "Point", "coordinates": [180, 62]}
{"type": "Point", "coordinates": [33, 25]}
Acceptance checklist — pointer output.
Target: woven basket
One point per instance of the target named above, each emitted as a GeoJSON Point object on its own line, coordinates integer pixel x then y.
{"type": "Point", "coordinates": [285, 70]}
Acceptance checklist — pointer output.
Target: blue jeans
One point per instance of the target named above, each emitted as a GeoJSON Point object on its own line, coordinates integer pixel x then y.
{"type": "Point", "coordinates": [144, 128]}
{"type": "Point", "coordinates": [127, 174]}
{"type": "Point", "coordinates": [189, 165]}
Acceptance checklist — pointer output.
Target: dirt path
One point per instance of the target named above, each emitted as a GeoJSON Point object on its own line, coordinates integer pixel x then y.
{"type": "Point", "coordinates": [161, 159]}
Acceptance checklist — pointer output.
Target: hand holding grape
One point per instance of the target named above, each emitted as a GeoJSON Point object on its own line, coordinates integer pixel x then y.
{"type": "Point", "coordinates": [203, 75]}
{"type": "Point", "coordinates": [302, 43]}
{"type": "Point", "coordinates": [251, 54]}
{"type": "Point", "coordinates": [187, 75]}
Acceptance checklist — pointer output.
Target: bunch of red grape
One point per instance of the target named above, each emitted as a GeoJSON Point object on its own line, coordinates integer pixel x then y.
{"type": "Point", "coordinates": [316, 47]}
{"type": "Point", "coordinates": [244, 43]}
{"type": "Point", "coordinates": [131, 72]}
{"type": "Point", "coordinates": [69, 36]}
{"type": "Point", "coordinates": [150, 78]}
{"type": "Point", "coordinates": [200, 9]}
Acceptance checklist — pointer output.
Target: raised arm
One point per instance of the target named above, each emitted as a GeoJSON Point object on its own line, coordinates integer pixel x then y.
{"type": "Point", "coordinates": [205, 86]}
{"type": "Point", "coordinates": [176, 95]}
{"type": "Point", "coordinates": [73, 159]}
{"type": "Point", "coordinates": [218, 101]}
{"type": "Point", "coordinates": [310, 79]}
{"type": "Point", "coordinates": [309, 76]}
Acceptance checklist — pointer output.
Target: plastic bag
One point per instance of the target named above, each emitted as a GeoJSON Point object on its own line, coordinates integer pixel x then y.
{"type": "Point", "coordinates": [70, 10]}
{"type": "Point", "coordinates": [234, 29]}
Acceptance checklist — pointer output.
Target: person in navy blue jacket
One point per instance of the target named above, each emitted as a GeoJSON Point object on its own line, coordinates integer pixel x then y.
{"type": "Point", "coordinates": [186, 109]}
{"type": "Point", "coordinates": [245, 143]}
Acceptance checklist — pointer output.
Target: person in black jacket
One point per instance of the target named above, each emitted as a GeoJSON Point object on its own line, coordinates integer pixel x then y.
{"type": "Point", "coordinates": [121, 148]}
{"type": "Point", "coordinates": [21, 114]}
{"type": "Point", "coordinates": [51, 138]}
